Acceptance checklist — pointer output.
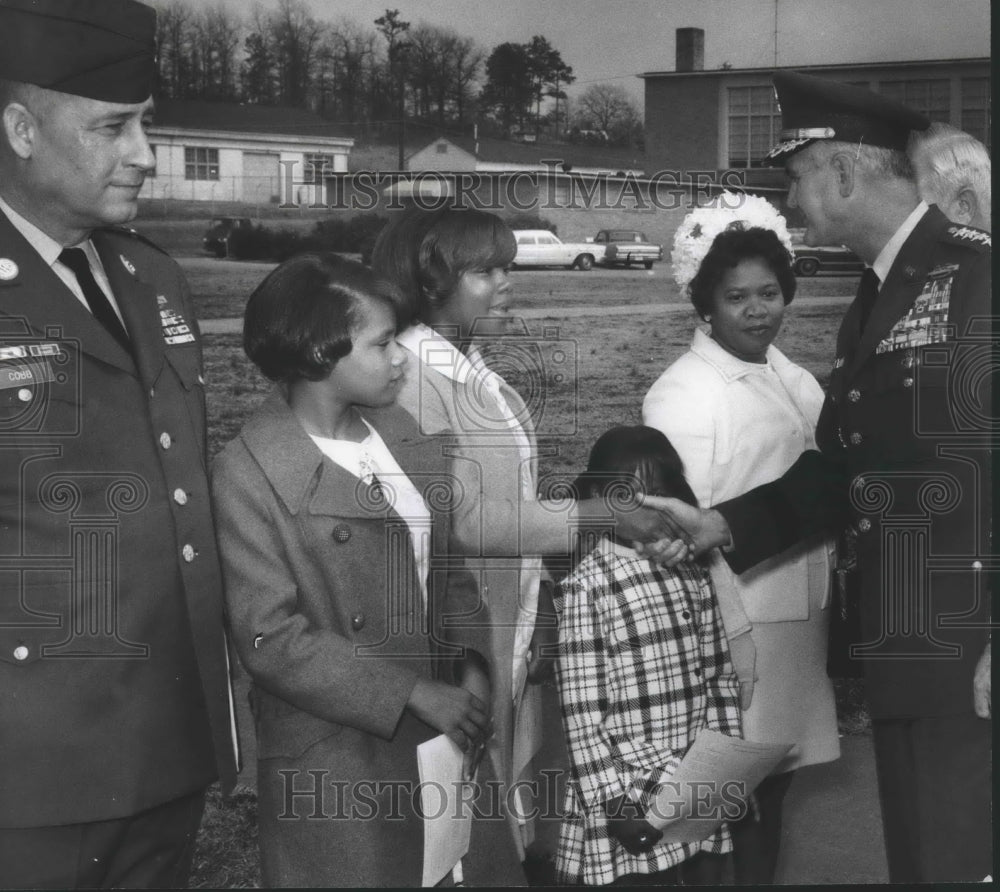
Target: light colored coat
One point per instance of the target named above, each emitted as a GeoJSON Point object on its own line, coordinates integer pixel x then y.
{"type": "Point", "coordinates": [487, 552]}
{"type": "Point", "coordinates": [737, 425]}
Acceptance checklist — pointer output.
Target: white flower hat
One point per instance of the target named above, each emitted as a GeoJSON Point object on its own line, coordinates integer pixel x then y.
{"type": "Point", "coordinates": [728, 210]}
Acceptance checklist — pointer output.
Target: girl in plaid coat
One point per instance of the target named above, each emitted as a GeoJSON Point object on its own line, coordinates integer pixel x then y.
{"type": "Point", "coordinates": [643, 666]}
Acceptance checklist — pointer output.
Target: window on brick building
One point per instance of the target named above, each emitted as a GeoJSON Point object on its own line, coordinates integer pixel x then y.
{"type": "Point", "coordinates": [930, 97]}
{"type": "Point", "coordinates": [754, 124]}
{"type": "Point", "coordinates": [976, 108]}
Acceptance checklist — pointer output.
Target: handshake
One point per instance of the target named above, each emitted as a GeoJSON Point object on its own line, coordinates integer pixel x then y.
{"type": "Point", "coordinates": [683, 531]}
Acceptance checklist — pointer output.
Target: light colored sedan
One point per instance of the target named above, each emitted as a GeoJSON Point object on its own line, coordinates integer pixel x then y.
{"type": "Point", "coordinates": [539, 247]}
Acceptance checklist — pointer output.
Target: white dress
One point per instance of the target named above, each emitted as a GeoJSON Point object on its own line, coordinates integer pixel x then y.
{"type": "Point", "coordinates": [737, 425]}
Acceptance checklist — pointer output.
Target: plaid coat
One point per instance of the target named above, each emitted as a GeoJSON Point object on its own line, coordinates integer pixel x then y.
{"type": "Point", "coordinates": [643, 666]}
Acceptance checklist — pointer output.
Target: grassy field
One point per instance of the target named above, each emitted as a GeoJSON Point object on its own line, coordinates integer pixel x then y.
{"type": "Point", "coordinates": [617, 358]}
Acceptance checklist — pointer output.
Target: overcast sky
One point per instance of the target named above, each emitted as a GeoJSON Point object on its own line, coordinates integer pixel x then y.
{"type": "Point", "coordinates": [613, 40]}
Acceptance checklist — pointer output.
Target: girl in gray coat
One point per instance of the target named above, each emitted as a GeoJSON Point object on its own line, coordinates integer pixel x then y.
{"type": "Point", "coordinates": [327, 535]}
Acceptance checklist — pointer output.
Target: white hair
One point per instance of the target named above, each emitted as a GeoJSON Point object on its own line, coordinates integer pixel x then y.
{"type": "Point", "coordinates": [948, 160]}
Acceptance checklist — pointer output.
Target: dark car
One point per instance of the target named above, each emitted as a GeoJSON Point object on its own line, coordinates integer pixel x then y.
{"type": "Point", "coordinates": [811, 260]}
{"type": "Point", "coordinates": [627, 246]}
{"type": "Point", "coordinates": [216, 240]}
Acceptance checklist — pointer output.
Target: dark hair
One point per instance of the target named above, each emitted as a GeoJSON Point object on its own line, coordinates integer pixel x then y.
{"type": "Point", "coordinates": [623, 454]}
{"type": "Point", "coordinates": [298, 322]}
{"type": "Point", "coordinates": [730, 248]}
{"type": "Point", "coordinates": [425, 252]}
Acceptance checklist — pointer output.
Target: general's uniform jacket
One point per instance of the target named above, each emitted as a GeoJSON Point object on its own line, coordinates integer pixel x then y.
{"type": "Point", "coordinates": [904, 436]}
{"type": "Point", "coordinates": [113, 660]}
{"type": "Point", "coordinates": [327, 618]}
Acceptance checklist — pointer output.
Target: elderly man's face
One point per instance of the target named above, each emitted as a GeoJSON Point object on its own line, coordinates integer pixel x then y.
{"type": "Point", "coordinates": [813, 187]}
{"type": "Point", "coordinates": [88, 161]}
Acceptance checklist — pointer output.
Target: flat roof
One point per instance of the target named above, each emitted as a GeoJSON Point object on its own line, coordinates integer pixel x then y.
{"type": "Point", "coordinates": [837, 66]}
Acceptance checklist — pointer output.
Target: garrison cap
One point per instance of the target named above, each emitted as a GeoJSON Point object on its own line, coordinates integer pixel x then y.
{"type": "Point", "coordinates": [815, 108]}
{"type": "Point", "coordinates": [101, 49]}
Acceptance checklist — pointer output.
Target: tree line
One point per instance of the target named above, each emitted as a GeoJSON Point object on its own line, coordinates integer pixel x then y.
{"type": "Point", "coordinates": [368, 77]}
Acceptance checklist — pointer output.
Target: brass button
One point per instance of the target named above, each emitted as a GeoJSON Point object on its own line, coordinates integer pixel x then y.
{"type": "Point", "coordinates": [341, 533]}
{"type": "Point", "coordinates": [855, 439]}
{"type": "Point", "coordinates": [908, 360]}
{"type": "Point", "coordinates": [907, 381]}
{"type": "Point", "coordinates": [864, 525]}
{"type": "Point", "coordinates": [180, 497]}
{"type": "Point", "coordinates": [24, 395]}
{"type": "Point", "coordinates": [188, 553]}
{"type": "Point", "coordinates": [854, 394]}
{"type": "Point", "coordinates": [165, 440]}
{"type": "Point", "coordinates": [977, 565]}
{"type": "Point", "coordinates": [20, 653]}
{"type": "Point", "coordinates": [358, 622]}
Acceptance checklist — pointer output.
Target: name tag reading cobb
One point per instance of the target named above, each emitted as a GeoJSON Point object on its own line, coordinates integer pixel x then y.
{"type": "Point", "coordinates": [26, 365]}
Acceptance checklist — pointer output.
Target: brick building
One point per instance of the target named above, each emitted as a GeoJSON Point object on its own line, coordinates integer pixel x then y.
{"type": "Point", "coordinates": [728, 118]}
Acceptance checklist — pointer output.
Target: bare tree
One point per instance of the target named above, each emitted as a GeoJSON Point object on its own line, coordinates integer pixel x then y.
{"type": "Point", "coordinates": [296, 37]}
{"type": "Point", "coordinates": [173, 37]}
{"type": "Point", "coordinates": [609, 109]}
{"type": "Point", "coordinates": [468, 60]}
{"type": "Point", "coordinates": [223, 30]}
{"type": "Point", "coordinates": [354, 56]}
{"type": "Point", "coordinates": [258, 73]}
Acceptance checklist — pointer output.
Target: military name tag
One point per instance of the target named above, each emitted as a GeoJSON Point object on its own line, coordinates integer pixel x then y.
{"type": "Point", "coordinates": [927, 320]}
{"type": "Point", "coordinates": [25, 374]}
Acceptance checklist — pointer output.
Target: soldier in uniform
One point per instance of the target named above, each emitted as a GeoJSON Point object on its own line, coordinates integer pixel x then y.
{"type": "Point", "coordinates": [904, 459]}
{"type": "Point", "coordinates": [116, 708]}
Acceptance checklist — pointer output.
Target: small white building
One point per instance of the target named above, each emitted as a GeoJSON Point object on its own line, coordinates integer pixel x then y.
{"type": "Point", "coordinates": [223, 151]}
{"type": "Point", "coordinates": [499, 156]}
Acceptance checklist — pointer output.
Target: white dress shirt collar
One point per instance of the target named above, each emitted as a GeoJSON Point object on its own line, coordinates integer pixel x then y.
{"type": "Point", "coordinates": [887, 256]}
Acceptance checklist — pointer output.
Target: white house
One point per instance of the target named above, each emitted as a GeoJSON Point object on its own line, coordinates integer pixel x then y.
{"type": "Point", "coordinates": [222, 151]}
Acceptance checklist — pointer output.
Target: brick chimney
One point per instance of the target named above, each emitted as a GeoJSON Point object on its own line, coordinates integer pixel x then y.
{"type": "Point", "coordinates": [690, 49]}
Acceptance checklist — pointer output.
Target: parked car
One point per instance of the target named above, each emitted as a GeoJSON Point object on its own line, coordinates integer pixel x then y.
{"type": "Point", "coordinates": [627, 246]}
{"type": "Point", "coordinates": [539, 247]}
{"type": "Point", "coordinates": [826, 259]}
{"type": "Point", "coordinates": [216, 240]}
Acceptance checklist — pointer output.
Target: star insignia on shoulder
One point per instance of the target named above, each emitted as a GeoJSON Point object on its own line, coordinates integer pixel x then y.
{"type": "Point", "coordinates": [971, 234]}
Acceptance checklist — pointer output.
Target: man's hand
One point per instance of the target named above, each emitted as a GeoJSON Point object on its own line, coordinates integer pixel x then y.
{"type": "Point", "coordinates": [626, 824]}
{"type": "Point", "coordinates": [981, 685]}
{"type": "Point", "coordinates": [701, 528]}
{"type": "Point", "coordinates": [451, 710]}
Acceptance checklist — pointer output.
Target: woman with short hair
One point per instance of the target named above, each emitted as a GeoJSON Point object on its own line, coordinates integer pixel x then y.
{"type": "Point", "coordinates": [740, 413]}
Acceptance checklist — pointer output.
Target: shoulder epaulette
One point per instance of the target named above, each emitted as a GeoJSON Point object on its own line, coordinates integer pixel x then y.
{"type": "Point", "coordinates": [968, 235]}
{"type": "Point", "coordinates": [135, 235]}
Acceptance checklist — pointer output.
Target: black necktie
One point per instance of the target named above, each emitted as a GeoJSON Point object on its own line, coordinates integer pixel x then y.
{"type": "Point", "coordinates": [867, 294]}
{"type": "Point", "coordinates": [96, 299]}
